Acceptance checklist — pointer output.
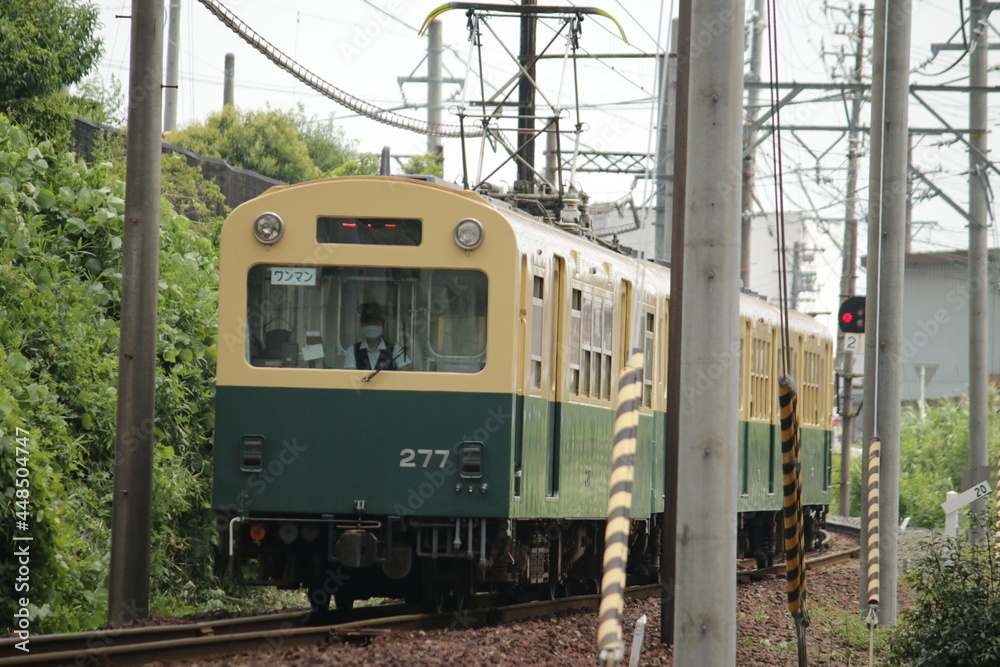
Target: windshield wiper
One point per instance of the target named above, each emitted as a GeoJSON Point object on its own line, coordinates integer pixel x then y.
{"type": "Point", "coordinates": [372, 374]}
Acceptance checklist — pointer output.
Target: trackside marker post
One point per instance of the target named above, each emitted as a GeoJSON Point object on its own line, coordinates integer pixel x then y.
{"type": "Point", "coordinates": [956, 501]}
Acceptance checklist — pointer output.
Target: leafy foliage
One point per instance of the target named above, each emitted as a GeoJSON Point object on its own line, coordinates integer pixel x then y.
{"type": "Point", "coordinates": [61, 228]}
{"type": "Point", "coordinates": [956, 616]}
{"type": "Point", "coordinates": [932, 453]}
{"type": "Point", "coordinates": [52, 117]}
{"type": "Point", "coordinates": [46, 44]}
{"type": "Point", "coordinates": [280, 144]}
{"type": "Point", "coordinates": [330, 150]}
{"type": "Point", "coordinates": [428, 163]}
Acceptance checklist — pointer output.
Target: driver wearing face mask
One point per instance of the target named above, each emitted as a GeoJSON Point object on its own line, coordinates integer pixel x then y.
{"type": "Point", "coordinates": [373, 352]}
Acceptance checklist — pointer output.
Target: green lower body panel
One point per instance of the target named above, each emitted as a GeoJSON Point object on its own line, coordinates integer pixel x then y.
{"type": "Point", "coordinates": [322, 451]}
{"type": "Point", "coordinates": [341, 452]}
{"type": "Point", "coordinates": [760, 475]}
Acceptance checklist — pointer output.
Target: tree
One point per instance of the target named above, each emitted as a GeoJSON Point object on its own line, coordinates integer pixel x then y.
{"type": "Point", "coordinates": [266, 142]}
{"type": "Point", "coordinates": [333, 153]}
{"type": "Point", "coordinates": [284, 145]}
{"type": "Point", "coordinates": [428, 163]}
{"type": "Point", "coordinates": [46, 44]}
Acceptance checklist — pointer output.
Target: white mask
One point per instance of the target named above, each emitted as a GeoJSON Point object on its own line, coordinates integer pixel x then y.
{"type": "Point", "coordinates": [372, 332]}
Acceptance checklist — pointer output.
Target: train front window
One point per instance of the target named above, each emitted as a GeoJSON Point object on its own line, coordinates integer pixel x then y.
{"type": "Point", "coordinates": [425, 320]}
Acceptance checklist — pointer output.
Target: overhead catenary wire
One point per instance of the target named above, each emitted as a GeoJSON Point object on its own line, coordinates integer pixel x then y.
{"type": "Point", "coordinates": [272, 53]}
{"type": "Point", "coordinates": [794, 519]}
{"type": "Point", "coordinates": [776, 157]}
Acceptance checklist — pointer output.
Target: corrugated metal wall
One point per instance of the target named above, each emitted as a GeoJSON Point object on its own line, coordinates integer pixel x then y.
{"type": "Point", "coordinates": [936, 326]}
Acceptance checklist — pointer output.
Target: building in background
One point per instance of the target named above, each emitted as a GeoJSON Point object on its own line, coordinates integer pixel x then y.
{"type": "Point", "coordinates": [936, 324]}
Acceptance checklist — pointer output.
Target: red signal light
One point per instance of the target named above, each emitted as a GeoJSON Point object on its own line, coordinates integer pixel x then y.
{"type": "Point", "coordinates": [852, 315]}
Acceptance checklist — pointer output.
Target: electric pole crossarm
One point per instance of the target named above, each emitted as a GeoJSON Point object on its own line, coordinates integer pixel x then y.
{"type": "Point", "coordinates": [864, 128]}
{"type": "Point", "coordinates": [766, 116]}
{"type": "Point", "coordinates": [951, 202]}
{"type": "Point", "coordinates": [866, 87]}
{"type": "Point", "coordinates": [616, 163]}
{"type": "Point", "coordinates": [958, 134]}
{"type": "Point", "coordinates": [811, 152]}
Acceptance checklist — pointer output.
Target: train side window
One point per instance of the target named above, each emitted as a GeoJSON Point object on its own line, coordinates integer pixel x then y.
{"type": "Point", "coordinates": [597, 362]}
{"type": "Point", "coordinates": [608, 329]}
{"type": "Point", "coordinates": [585, 345]}
{"type": "Point", "coordinates": [537, 321]}
{"type": "Point", "coordinates": [576, 315]}
{"type": "Point", "coordinates": [811, 377]}
{"type": "Point", "coordinates": [647, 371]}
{"type": "Point", "coordinates": [760, 379]}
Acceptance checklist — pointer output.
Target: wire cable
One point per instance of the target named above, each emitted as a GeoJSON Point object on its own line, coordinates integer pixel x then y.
{"type": "Point", "coordinates": [772, 47]}
{"type": "Point", "coordinates": [269, 51]}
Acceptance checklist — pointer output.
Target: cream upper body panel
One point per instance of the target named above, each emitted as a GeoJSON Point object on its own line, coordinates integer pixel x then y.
{"type": "Point", "coordinates": [439, 208]}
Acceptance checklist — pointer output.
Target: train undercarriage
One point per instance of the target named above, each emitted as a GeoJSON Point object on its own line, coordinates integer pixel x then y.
{"type": "Point", "coordinates": [442, 563]}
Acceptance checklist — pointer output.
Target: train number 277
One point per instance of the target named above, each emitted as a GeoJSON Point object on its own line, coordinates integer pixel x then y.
{"type": "Point", "coordinates": [407, 457]}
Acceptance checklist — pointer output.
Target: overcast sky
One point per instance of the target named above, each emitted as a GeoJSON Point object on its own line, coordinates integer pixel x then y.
{"type": "Point", "coordinates": [363, 46]}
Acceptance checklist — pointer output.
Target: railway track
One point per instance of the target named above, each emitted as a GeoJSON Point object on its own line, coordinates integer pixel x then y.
{"type": "Point", "coordinates": [136, 646]}
{"type": "Point", "coordinates": [747, 570]}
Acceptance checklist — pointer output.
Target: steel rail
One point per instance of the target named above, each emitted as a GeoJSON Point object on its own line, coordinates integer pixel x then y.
{"type": "Point", "coordinates": [136, 646]}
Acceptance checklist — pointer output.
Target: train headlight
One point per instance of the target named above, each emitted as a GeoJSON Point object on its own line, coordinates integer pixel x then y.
{"type": "Point", "coordinates": [469, 234]}
{"type": "Point", "coordinates": [268, 228]}
{"type": "Point", "coordinates": [310, 532]}
{"type": "Point", "coordinates": [288, 532]}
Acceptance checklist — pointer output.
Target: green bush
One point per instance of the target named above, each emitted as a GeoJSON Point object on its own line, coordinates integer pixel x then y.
{"type": "Point", "coordinates": [955, 619]}
{"type": "Point", "coordinates": [932, 453]}
{"type": "Point", "coordinates": [61, 228]}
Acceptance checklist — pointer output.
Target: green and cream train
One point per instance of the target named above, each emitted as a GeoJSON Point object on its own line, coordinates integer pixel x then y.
{"type": "Point", "coordinates": [416, 391]}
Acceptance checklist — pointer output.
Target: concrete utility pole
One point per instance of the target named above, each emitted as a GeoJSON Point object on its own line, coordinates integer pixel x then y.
{"type": "Point", "coordinates": [886, 245]}
{"type": "Point", "coordinates": [665, 155]}
{"type": "Point", "coordinates": [668, 543]}
{"type": "Point", "coordinates": [526, 96]}
{"type": "Point", "coordinates": [979, 286]}
{"type": "Point", "coordinates": [173, 59]}
{"type": "Point", "coordinates": [849, 272]}
{"type": "Point", "coordinates": [757, 27]}
{"type": "Point", "coordinates": [435, 48]}
{"type": "Point", "coordinates": [128, 589]}
{"type": "Point", "coordinates": [229, 80]}
{"type": "Point", "coordinates": [705, 618]}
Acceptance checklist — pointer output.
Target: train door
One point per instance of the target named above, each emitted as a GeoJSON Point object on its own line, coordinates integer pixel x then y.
{"type": "Point", "coordinates": [625, 324]}
{"type": "Point", "coordinates": [536, 446]}
{"type": "Point", "coordinates": [522, 362]}
{"type": "Point", "coordinates": [553, 371]}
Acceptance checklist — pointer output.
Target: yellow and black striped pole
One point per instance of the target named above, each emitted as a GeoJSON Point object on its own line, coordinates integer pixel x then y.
{"type": "Point", "coordinates": [791, 469]}
{"type": "Point", "coordinates": [871, 542]}
{"type": "Point", "coordinates": [609, 628]}
{"type": "Point", "coordinates": [996, 534]}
